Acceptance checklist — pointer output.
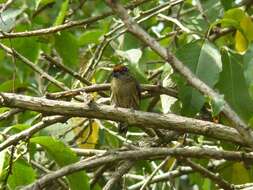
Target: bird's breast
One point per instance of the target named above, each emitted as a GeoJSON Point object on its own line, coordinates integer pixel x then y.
{"type": "Point", "coordinates": [124, 93]}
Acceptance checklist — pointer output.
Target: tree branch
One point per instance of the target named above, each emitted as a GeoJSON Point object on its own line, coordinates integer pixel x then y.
{"type": "Point", "coordinates": [26, 134]}
{"type": "Point", "coordinates": [101, 87]}
{"type": "Point", "coordinates": [70, 24]}
{"type": "Point", "coordinates": [117, 175]}
{"type": "Point", "coordinates": [148, 153]}
{"type": "Point", "coordinates": [139, 118]}
{"type": "Point", "coordinates": [221, 182]}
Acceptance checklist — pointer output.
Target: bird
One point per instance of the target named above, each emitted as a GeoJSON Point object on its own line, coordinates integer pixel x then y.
{"type": "Point", "coordinates": [125, 92]}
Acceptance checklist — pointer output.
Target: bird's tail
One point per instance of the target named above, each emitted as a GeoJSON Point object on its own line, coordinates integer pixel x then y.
{"type": "Point", "coordinates": [122, 128]}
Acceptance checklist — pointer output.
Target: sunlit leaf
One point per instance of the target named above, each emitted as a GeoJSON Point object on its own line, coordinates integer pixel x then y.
{"type": "Point", "coordinates": [89, 137]}
{"type": "Point", "coordinates": [63, 11]}
{"type": "Point", "coordinates": [241, 43]}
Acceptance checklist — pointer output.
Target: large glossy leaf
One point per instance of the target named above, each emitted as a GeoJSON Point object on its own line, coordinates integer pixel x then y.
{"type": "Point", "coordinates": [233, 84]}
{"type": "Point", "coordinates": [63, 156]}
{"type": "Point", "coordinates": [204, 61]}
{"type": "Point", "coordinates": [66, 45]}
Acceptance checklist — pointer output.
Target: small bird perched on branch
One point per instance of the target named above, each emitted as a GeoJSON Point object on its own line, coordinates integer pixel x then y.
{"type": "Point", "coordinates": [125, 92]}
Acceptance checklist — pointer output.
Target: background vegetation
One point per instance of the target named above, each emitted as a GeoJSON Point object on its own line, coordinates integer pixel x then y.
{"type": "Point", "coordinates": [63, 51]}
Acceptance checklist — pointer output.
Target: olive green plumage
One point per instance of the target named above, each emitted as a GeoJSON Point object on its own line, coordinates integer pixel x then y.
{"type": "Point", "coordinates": [125, 92]}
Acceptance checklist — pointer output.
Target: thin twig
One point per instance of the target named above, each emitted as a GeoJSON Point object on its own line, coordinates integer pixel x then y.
{"type": "Point", "coordinates": [45, 170]}
{"type": "Point", "coordinates": [10, 113]}
{"type": "Point", "coordinates": [9, 171]}
{"type": "Point", "coordinates": [155, 89]}
{"type": "Point", "coordinates": [70, 24]}
{"type": "Point", "coordinates": [6, 5]}
{"type": "Point", "coordinates": [207, 173]}
{"type": "Point", "coordinates": [146, 182]}
{"type": "Point", "coordinates": [33, 67]}
{"type": "Point", "coordinates": [25, 134]}
{"type": "Point", "coordinates": [117, 175]}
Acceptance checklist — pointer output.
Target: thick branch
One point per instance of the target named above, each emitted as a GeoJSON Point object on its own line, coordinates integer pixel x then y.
{"type": "Point", "coordinates": [194, 152]}
{"type": "Point", "coordinates": [139, 118]}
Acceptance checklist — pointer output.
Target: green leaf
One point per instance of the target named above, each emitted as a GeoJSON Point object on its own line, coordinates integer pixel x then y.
{"type": "Point", "coordinates": [63, 156]}
{"type": "Point", "coordinates": [200, 57]}
{"type": "Point", "coordinates": [67, 46]}
{"type": "Point", "coordinates": [132, 55]}
{"type": "Point", "coordinates": [227, 4]}
{"type": "Point", "coordinates": [8, 18]}
{"type": "Point", "coordinates": [89, 37]}
{"type": "Point", "coordinates": [129, 42]}
{"type": "Point", "coordinates": [235, 14]}
{"type": "Point", "coordinates": [217, 105]}
{"type": "Point", "coordinates": [63, 11]}
{"type": "Point", "coordinates": [2, 160]}
{"type": "Point", "coordinates": [233, 84]}
{"type": "Point", "coordinates": [22, 174]}
{"type": "Point", "coordinates": [43, 3]}
{"type": "Point", "coordinates": [248, 68]}
{"type": "Point", "coordinates": [137, 73]}
{"type": "Point", "coordinates": [235, 173]}
{"type": "Point", "coordinates": [10, 85]}
{"type": "Point", "coordinates": [28, 47]}
{"type": "Point", "coordinates": [212, 8]}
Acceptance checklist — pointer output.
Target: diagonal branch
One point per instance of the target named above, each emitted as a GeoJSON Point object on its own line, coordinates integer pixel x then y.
{"type": "Point", "coordinates": [33, 67]}
{"type": "Point", "coordinates": [117, 175]}
{"type": "Point", "coordinates": [218, 180]}
{"type": "Point", "coordinates": [192, 79]}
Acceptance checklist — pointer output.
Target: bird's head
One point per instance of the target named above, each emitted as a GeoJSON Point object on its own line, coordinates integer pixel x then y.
{"type": "Point", "coordinates": [119, 70]}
